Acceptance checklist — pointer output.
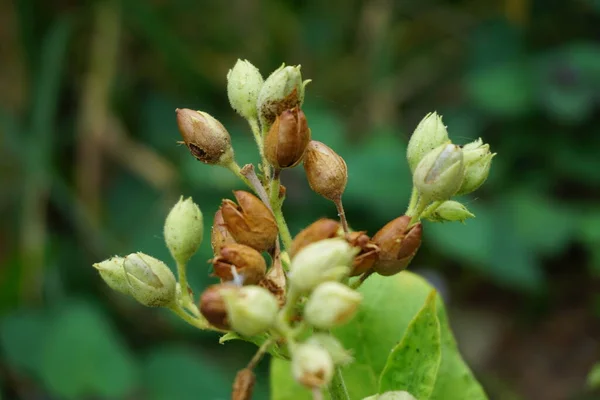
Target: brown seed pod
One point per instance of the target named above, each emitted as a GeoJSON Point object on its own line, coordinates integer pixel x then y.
{"type": "Point", "coordinates": [326, 171]}
{"type": "Point", "coordinates": [205, 137]}
{"type": "Point", "coordinates": [212, 305]}
{"type": "Point", "coordinates": [398, 244]}
{"type": "Point", "coordinates": [364, 261]}
{"type": "Point", "coordinates": [323, 228]}
{"type": "Point", "coordinates": [251, 222]}
{"type": "Point", "coordinates": [248, 263]}
{"type": "Point", "coordinates": [219, 235]}
{"type": "Point", "coordinates": [243, 385]}
{"type": "Point", "coordinates": [287, 139]}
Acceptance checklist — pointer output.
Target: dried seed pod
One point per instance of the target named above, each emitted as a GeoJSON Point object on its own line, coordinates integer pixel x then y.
{"type": "Point", "coordinates": [205, 137]}
{"type": "Point", "coordinates": [219, 235]}
{"type": "Point", "coordinates": [287, 139]}
{"type": "Point", "coordinates": [368, 252]}
{"type": "Point", "coordinates": [398, 244]}
{"type": "Point", "coordinates": [243, 385]}
{"type": "Point", "coordinates": [248, 263]}
{"type": "Point", "coordinates": [251, 222]}
{"type": "Point", "coordinates": [212, 305]}
{"type": "Point", "coordinates": [323, 228]}
{"type": "Point", "coordinates": [326, 171]}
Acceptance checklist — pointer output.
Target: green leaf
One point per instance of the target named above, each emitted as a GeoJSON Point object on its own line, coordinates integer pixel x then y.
{"type": "Point", "coordinates": [83, 357]}
{"type": "Point", "coordinates": [413, 364]}
{"type": "Point", "coordinates": [389, 305]}
{"type": "Point", "coordinates": [20, 339]}
{"type": "Point", "coordinates": [593, 379]}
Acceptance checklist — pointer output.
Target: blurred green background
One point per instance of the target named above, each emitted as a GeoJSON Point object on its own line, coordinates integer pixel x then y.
{"type": "Point", "coordinates": [89, 167]}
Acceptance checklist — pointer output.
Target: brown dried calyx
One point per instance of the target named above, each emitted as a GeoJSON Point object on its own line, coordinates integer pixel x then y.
{"type": "Point", "coordinates": [398, 244]}
{"type": "Point", "coordinates": [243, 385]}
{"type": "Point", "coordinates": [251, 222]}
{"type": "Point", "coordinates": [219, 235]}
{"type": "Point", "coordinates": [321, 229]}
{"type": "Point", "coordinates": [326, 171]}
{"type": "Point", "coordinates": [248, 263]}
{"type": "Point", "coordinates": [212, 305]}
{"type": "Point", "coordinates": [205, 137]}
{"type": "Point", "coordinates": [287, 139]}
{"type": "Point", "coordinates": [369, 251]}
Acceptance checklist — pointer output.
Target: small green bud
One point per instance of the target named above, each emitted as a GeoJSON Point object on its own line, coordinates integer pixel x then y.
{"type": "Point", "coordinates": [150, 281]}
{"type": "Point", "coordinates": [450, 210]}
{"type": "Point", "coordinates": [331, 304]}
{"type": "Point", "coordinates": [312, 365]}
{"type": "Point", "coordinates": [339, 355]}
{"type": "Point", "coordinates": [244, 82]}
{"type": "Point", "coordinates": [183, 230]}
{"type": "Point", "coordinates": [440, 173]}
{"type": "Point", "coordinates": [322, 261]}
{"type": "Point", "coordinates": [283, 90]}
{"type": "Point", "coordinates": [429, 134]}
{"type": "Point", "coordinates": [250, 309]}
{"type": "Point", "coordinates": [397, 395]}
{"type": "Point", "coordinates": [111, 270]}
{"type": "Point", "coordinates": [478, 160]}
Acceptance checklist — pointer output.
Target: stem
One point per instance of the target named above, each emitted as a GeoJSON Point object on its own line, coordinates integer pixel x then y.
{"type": "Point", "coordinates": [342, 214]}
{"type": "Point", "coordinates": [418, 210]}
{"type": "Point", "coordinates": [414, 196]}
{"type": "Point", "coordinates": [276, 205]}
{"type": "Point", "coordinates": [258, 137]}
{"type": "Point", "coordinates": [198, 322]}
{"type": "Point", "coordinates": [337, 387]}
{"type": "Point", "coordinates": [356, 284]}
{"type": "Point", "coordinates": [259, 353]}
{"type": "Point", "coordinates": [186, 300]}
{"type": "Point", "coordinates": [235, 168]}
{"type": "Point", "coordinates": [431, 209]}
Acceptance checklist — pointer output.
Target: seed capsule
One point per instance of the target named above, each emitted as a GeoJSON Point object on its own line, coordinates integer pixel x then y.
{"type": "Point", "coordinates": [364, 261]}
{"type": "Point", "coordinates": [251, 309]}
{"type": "Point", "coordinates": [397, 245]}
{"type": "Point", "coordinates": [244, 82]}
{"type": "Point", "coordinates": [246, 261]}
{"type": "Point", "coordinates": [212, 305]}
{"type": "Point", "coordinates": [312, 366]}
{"type": "Point", "coordinates": [287, 139]}
{"type": "Point", "coordinates": [251, 222]}
{"type": "Point", "coordinates": [323, 228]}
{"type": "Point", "coordinates": [326, 171]}
{"type": "Point", "coordinates": [150, 281]}
{"type": "Point", "coordinates": [440, 173]}
{"type": "Point", "coordinates": [331, 304]}
{"type": "Point", "coordinates": [205, 137]}
{"type": "Point", "coordinates": [219, 235]}
{"type": "Point", "coordinates": [243, 385]}
{"type": "Point", "coordinates": [282, 90]}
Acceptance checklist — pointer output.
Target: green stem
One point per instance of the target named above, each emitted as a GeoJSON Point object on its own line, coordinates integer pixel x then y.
{"type": "Point", "coordinates": [258, 138]}
{"type": "Point", "coordinates": [186, 300]}
{"type": "Point", "coordinates": [414, 197]}
{"type": "Point", "coordinates": [276, 205]}
{"type": "Point", "coordinates": [431, 209]}
{"type": "Point", "coordinates": [198, 322]}
{"type": "Point", "coordinates": [235, 168]}
{"type": "Point", "coordinates": [337, 387]}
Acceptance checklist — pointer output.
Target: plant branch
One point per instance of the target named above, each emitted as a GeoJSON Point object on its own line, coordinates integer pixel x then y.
{"type": "Point", "coordinates": [337, 387]}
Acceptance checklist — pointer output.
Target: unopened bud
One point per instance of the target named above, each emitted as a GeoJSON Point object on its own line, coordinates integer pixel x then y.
{"type": "Point", "coordinates": [250, 222]}
{"type": "Point", "coordinates": [331, 304]}
{"type": "Point", "coordinates": [282, 90]}
{"type": "Point", "coordinates": [243, 385]}
{"type": "Point", "coordinates": [339, 355]}
{"type": "Point", "coordinates": [287, 139]}
{"type": "Point", "coordinates": [244, 82]}
{"type": "Point", "coordinates": [326, 171]}
{"type": "Point", "coordinates": [429, 134]}
{"type": "Point", "coordinates": [440, 173]}
{"type": "Point", "coordinates": [326, 260]}
{"type": "Point", "coordinates": [367, 256]}
{"type": "Point", "coordinates": [247, 262]}
{"type": "Point", "coordinates": [251, 309]}
{"type": "Point", "coordinates": [396, 395]}
{"type": "Point", "coordinates": [450, 210]}
{"type": "Point", "coordinates": [312, 365]}
{"type": "Point", "coordinates": [219, 235]}
{"type": "Point", "coordinates": [113, 273]}
{"type": "Point", "coordinates": [150, 281]}
{"type": "Point", "coordinates": [397, 245]}
{"type": "Point", "coordinates": [212, 305]}
{"type": "Point", "coordinates": [323, 228]}
{"type": "Point", "coordinates": [205, 137]}
{"type": "Point", "coordinates": [478, 160]}
{"type": "Point", "coordinates": [184, 229]}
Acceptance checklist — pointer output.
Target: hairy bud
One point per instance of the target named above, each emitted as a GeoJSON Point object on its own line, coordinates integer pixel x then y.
{"type": "Point", "coordinates": [312, 365]}
{"type": "Point", "coordinates": [251, 309]}
{"type": "Point", "coordinates": [283, 90]}
{"type": "Point", "coordinates": [246, 261]}
{"type": "Point", "coordinates": [440, 173]}
{"type": "Point", "coordinates": [205, 137]}
{"type": "Point", "coordinates": [326, 171]}
{"type": "Point", "coordinates": [184, 229]}
{"type": "Point", "coordinates": [323, 228]}
{"type": "Point", "coordinates": [113, 273]}
{"type": "Point", "coordinates": [250, 222]}
{"type": "Point", "coordinates": [150, 281]}
{"type": "Point", "coordinates": [367, 256]}
{"type": "Point", "coordinates": [244, 82]}
{"type": "Point", "coordinates": [450, 210]}
{"type": "Point", "coordinates": [397, 245]}
{"type": "Point", "coordinates": [429, 134]}
{"type": "Point", "coordinates": [287, 139]}
{"type": "Point", "coordinates": [243, 385]}
{"type": "Point", "coordinates": [219, 235]}
{"type": "Point", "coordinates": [478, 161]}
{"type": "Point", "coordinates": [212, 305]}
{"type": "Point", "coordinates": [339, 355]}
{"type": "Point", "coordinates": [331, 304]}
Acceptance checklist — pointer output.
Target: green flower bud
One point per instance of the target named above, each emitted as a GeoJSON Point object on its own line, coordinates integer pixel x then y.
{"type": "Point", "coordinates": [450, 210]}
{"type": "Point", "coordinates": [331, 304]}
{"type": "Point", "coordinates": [339, 355]}
{"type": "Point", "coordinates": [478, 160]}
{"type": "Point", "coordinates": [396, 395]}
{"type": "Point", "coordinates": [429, 134]}
{"type": "Point", "coordinates": [244, 82]}
{"type": "Point", "coordinates": [283, 90]}
{"type": "Point", "coordinates": [312, 365]}
{"type": "Point", "coordinates": [250, 309]}
{"type": "Point", "coordinates": [150, 281]}
{"type": "Point", "coordinates": [113, 273]}
{"type": "Point", "coordinates": [183, 230]}
{"type": "Point", "coordinates": [440, 173]}
{"type": "Point", "coordinates": [322, 261]}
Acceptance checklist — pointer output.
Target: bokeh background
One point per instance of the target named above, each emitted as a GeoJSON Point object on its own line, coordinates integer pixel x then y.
{"type": "Point", "coordinates": [89, 167]}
